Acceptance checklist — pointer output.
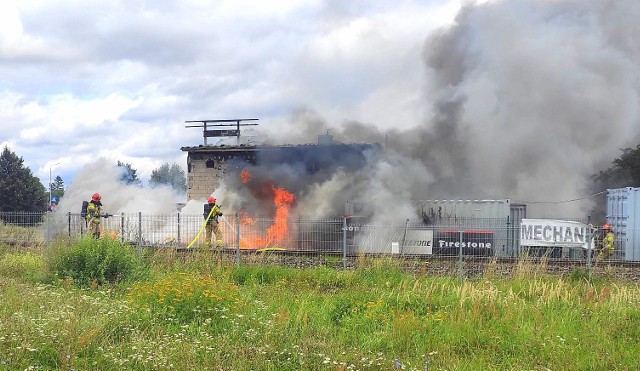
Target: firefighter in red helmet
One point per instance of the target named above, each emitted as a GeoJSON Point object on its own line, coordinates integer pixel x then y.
{"type": "Point", "coordinates": [608, 240]}
{"type": "Point", "coordinates": [211, 214]}
{"type": "Point", "coordinates": [93, 214]}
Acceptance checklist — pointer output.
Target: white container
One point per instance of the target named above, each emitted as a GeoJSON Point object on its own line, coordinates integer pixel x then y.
{"type": "Point", "coordinates": [444, 211]}
{"type": "Point", "coordinates": [494, 215]}
{"type": "Point", "coordinates": [623, 213]}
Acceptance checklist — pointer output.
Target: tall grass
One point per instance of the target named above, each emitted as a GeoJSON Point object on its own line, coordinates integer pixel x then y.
{"type": "Point", "coordinates": [203, 312]}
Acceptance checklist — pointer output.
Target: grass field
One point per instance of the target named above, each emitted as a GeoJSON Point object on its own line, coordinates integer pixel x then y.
{"type": "Point", "coordinates": [203, 313]}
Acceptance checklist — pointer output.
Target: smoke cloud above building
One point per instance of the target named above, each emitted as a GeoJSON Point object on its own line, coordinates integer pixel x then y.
{"type": "Point", "coordinates": [523, 100]}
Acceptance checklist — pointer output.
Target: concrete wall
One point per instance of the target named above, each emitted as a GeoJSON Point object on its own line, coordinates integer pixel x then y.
{"type": "Point", "coordinates": [206, 167]}
{"type": "Point", "coordinates": [201, 180]}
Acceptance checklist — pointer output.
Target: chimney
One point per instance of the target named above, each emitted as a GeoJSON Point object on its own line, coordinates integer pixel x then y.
{"type": "Point", "coordinates": [325, 139]}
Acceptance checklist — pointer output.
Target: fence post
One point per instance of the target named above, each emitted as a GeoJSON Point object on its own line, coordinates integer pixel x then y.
{"type": "Point", "coordinates": [179, 239]}
{"type": "Point", "coordinates": [237, 239]}
{"type": "Point", "coordinates": [510, 239]}
{"type": "Point", "coordinates": [69, 223]}
{"type": "Point", "coordinates": [344, 242]}
{"type": "Point", "coordinates": [589, 250]}
{"type": "Point", "coordinates": [460, 258]}
{"type": "Point", "coordinates": [48, 216]}
{"type": "Point", "coordinates": [140, 232]}
{"type": "Point", "coordinates": [404, 236]}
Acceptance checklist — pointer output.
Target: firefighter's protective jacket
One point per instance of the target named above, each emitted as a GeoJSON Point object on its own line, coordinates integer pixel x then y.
{"type": "Point", "coordinates": [607, 242]}
{"type": "Point", "coordinates": [93, 212]}
{"type": "Point", "coordinates": [215, 213]}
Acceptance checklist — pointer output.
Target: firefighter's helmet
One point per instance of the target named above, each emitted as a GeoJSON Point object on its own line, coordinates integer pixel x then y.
{"type": "Point", "coordinates": [211, 200]}
{"type": "Point", "coordinates": [606, 227]}
{"type": "Point", "coordinates": [96, 197]}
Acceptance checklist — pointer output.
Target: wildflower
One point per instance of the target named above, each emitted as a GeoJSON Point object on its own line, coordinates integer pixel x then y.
{"type": "Point", "coordinates": [398, 364]}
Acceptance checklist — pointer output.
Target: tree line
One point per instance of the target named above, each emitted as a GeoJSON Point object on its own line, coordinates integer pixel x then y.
{"type": "Point", "coordinates": [21, 191]}
{"type": "Point", "coordinates": [623, 172]}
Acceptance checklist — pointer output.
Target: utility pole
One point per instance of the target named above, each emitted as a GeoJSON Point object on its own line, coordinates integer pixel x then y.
{"type": "Point", "coordinates": [57, 163]}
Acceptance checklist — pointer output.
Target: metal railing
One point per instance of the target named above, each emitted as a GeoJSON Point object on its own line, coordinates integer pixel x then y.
{"type": "Point", "coordinates": [464, 237]}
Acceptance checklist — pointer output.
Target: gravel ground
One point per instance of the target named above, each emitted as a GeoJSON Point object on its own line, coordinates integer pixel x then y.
{"type": "Point", "coordinates": [471, 268]}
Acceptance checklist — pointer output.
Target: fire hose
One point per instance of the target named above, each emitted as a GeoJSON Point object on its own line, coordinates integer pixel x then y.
{"type": "Point", "coordinates": [204, 225]}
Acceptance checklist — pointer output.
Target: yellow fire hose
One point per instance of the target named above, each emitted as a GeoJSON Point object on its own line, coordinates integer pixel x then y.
{"type": "Point", "coordinates": [204, 225]}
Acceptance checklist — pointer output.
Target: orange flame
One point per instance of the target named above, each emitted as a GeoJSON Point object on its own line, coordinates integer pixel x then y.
{"type": "Point", "coordinates": [245, 176]}
{"type": "Point", "coordinates": [279, 230]}
{"type": "Point", "coordinates": [283, 201]}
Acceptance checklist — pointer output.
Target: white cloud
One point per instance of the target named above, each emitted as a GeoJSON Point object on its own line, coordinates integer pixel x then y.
{"type": "Point", "coordinates": [119, 78]}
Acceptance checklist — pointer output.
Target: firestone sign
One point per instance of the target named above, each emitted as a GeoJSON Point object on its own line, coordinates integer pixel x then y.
{"type": "Point", "coordinates": [422, 241]}
{"type": "Point", "coordinates": [473, 242]}
{"type": "Point", "coordinates": [548, 232]}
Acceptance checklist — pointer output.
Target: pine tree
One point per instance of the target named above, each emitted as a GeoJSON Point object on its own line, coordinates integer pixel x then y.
{"type": "Point", "coordinates": [624, 172]}
{"type": "Point", "coordinates": [169, 175]}
{"type": "Point", "coordinates": [19, 189]}
{"type": "Point", "coordinates": [129, 175]}
{"type": "Point", "coordinates": [57, 187]}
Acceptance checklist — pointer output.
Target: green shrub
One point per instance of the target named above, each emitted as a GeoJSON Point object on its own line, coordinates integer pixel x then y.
{"type": "Point", "coordinates": [579, 274]}
{"type": "Point", "coordinates": [96, 262]}
{"type": "Point", "coordinates": [341, 309]}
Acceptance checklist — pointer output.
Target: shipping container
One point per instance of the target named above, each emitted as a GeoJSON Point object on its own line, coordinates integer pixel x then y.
{"type": "Point", "coordinates": [517, 213]}
{"type": "Point", "coordinates": [500, 215]}
{"type": "Point", "coordinates": [452, 211]}
{"type": "Point", "coordinates": [498, 218]}
{"type": "Point", "coordinates": [623, 213]}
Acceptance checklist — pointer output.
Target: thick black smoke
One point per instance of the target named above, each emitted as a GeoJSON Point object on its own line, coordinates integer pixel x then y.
{"type": "Point", "coordinates": [537, 96]}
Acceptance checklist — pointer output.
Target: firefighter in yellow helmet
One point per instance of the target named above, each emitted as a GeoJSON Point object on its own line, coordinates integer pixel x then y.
{"type": "Point", "coordinates": [213, 212]}
{"type": "Point", "coordinates": [607, 243]}
{"type": "Point", "coordinates": [93, 214]}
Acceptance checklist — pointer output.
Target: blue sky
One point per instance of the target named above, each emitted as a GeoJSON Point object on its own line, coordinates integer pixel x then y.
{"type": "Point", "coordinates": [82, 80]}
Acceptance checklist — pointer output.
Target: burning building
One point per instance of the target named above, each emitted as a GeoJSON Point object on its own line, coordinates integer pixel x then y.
{"type": "Point", "coordinates": [293, 166]}
{"type": "Point", "coordinates": [207, 166]}
{"type": "Point", "coordinates": [272, 185]}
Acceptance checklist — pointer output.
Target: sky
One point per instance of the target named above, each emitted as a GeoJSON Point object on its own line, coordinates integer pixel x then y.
{"type": "Point", "coordinates": [80, 80]}
{"type": "Point", "coordinates": [518, 99]}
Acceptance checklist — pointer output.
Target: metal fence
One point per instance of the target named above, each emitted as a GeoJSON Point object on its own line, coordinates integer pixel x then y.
{"type": "Point", "coordinates": [463, 237]}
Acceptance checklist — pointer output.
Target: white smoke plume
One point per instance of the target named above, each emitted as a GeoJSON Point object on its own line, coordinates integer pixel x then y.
{"type": "Point", "coordinates": [103, 177]}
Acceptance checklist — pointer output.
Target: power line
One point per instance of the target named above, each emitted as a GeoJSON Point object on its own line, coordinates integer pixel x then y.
{"type": "Point", "coordinates": [562, 202]}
